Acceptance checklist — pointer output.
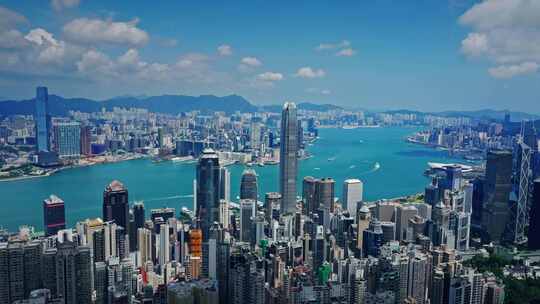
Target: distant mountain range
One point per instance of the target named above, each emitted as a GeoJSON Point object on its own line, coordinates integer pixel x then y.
{"type": "Point", "coordinates": [171, 104]}
{"type": "Point", "coordinates": [479, 114]}
{"type": "Point", "coordinates": [175, 104]}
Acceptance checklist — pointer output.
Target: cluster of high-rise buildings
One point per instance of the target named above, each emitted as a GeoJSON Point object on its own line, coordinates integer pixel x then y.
{"type": "Point", "coordinates": [279, 247]}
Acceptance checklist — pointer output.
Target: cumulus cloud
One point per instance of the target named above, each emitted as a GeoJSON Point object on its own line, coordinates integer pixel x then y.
{"type": "Point", "coordinates": [224, 50]}
{"type": "Point", "coordinates": [333, 46]}
{"type": "Point", "coordinates": [270, 76]}
{"type": "Point", "coordinates": [308, 72]}
{"type": "Point", "coordinates": [505, 32]}
{"type": "Point", "coordinates": [10, 37]}
{"type": "Point", "coordinates": [97, 31]}
{"type": "Point", "coordinates": [251, 61]}
{"type": "Point", "coordinates": [52, 50]}
{"type": "Point", "coordinates": [509, 71]}
{"type": "Point", "coordinates": [475, 44]}
{"type": "Point", "coordinates": [249, 64]}
{"type": "Point", "coordinates": [59, 5]}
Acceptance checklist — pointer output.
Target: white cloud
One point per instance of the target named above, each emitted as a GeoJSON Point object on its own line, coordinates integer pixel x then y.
{"type": "Point", "coordinates": [308, 72]}
{"type": "Point", "coordinates": [99, 31]}
{"type": "Point", "coordinates": [505, 32]}
{"type": "Point", "coordinates": [52, 50]}
{"type": "Point", "coordinates": [348, 52]}
{"type": "Point", "coordinates": [475, 44]}
{"type": "Point", "coordinates": [224, 50]}
{"type": "Point", "coordinates": [12, 39]}
{"type": "Point", "coordinates": [509, 71]}
{"type": "Point", "coordinates": [333, 46]}
{"type": "Point", "coordinates": [251, 61]}
{"type": "Point", "coordinates": [270, 76]}
{"type": "Point", "coordinates": [61, 4]}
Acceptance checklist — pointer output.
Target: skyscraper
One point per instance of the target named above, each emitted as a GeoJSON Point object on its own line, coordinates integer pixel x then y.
{"type": "Point", "coordinates": [248, 185]}
{"type": "Point", "coordinates": [74, 273]}
{"type": "Point", "coordinates": [115, 204]}
{"type": "Point", "coordinates": [247, 214]}
{"type": "Point", "coordinates": [207, 187]}
{"type": "Point", "coordinates": [534, 218]}
{"type": "Point", "coordinates": [67, 139]}
{"type": "Point", "coordinates": [42, 119]}
{"type": "Point", "coordinates": [497, 188]}
{"type": "Point", "coordinates": [324, 194]}
{"type": "Point", "coordinates": [224, 184]}
{"type": "Point", "coordinates": [308, 195]}
{"type": "Point", "coordinates": [54, 215]}
{"type": "Point", "coordinates": [352, 195]}
{"type": "Point", "coordinates": [288, 165]}
{"type": "Point", "coordinates": [86, 140]}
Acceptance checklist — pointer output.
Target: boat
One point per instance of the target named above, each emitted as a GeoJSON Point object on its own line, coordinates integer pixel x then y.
{"type": "Point", "coordinates": [331, 159]}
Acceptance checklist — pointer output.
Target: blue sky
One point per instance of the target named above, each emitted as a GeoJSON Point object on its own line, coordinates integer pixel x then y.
{"type": "Point", "coordinates": [423, 55]}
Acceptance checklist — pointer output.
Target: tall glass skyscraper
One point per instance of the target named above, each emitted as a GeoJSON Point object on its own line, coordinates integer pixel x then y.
{"type": "Point", "coordinates": [207, 191]}
{"type": "Point", "coordinates": [248, 185]}
{"type": "Point", "coordinates": [42, 119]}
{"type": "Point", "coordinates": [115, 204]}
{"type": "Point", "coordinates": [288, 165]}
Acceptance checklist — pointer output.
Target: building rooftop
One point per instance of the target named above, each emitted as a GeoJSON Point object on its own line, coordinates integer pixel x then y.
{"type": "Point", "coordinates": [115, 185]}
{"type": "Point", "coordinates": [53, 200]}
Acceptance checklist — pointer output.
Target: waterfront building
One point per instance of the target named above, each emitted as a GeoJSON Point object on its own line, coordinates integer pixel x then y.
{"type": "Point", "coordinates": [352, 195]}
{"type": "Point", "coordinates": [288, 165]}
{"type": "Point", "coordinates": [497, 188]}
{"type": "Point", "coordinates": [42, 120]}
{"type": "Point", "coordinates": [67, 139]}
{"type": "Point", "coordinates": [116, 204]}
{"type": "Point", "coordinates": [86, 140]}
{"type": "Point", "coordinates": [248, 185]}
{"type": "Point", "coordinates": [54, 215]}
{"type": "Point", "coordinates": [207, 191]}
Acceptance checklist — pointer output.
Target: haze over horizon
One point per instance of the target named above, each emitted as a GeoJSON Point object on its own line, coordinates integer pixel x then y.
{"type": "Point", "coordinates": [453, 55]}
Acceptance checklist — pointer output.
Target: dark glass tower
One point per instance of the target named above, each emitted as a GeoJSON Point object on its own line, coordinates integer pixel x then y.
{"type": "Point", "coordinates": [138, 213]}
{"type": "Point", "coordinates": [288, 165]}
{"type": "Point", "coordinates": [534, 218]}
{"type": "Point", "coordinates": [308, 194]}
{"type": "Point", "coordinates": [54, 216]}
{"type": "Point", "coordinates": [115, 205]}
{"type": "Point", "coordinates": [497, 188]}
{"type": "Point", "coordinates": [42, 119]}
{"type": "Point", "coordinates": [248, 185]}
{"type": "Point", "coordinates": [207, 209]}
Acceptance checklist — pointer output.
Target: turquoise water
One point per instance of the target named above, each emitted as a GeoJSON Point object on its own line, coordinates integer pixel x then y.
{"type": "Point", "coordinates": [355, 153]}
